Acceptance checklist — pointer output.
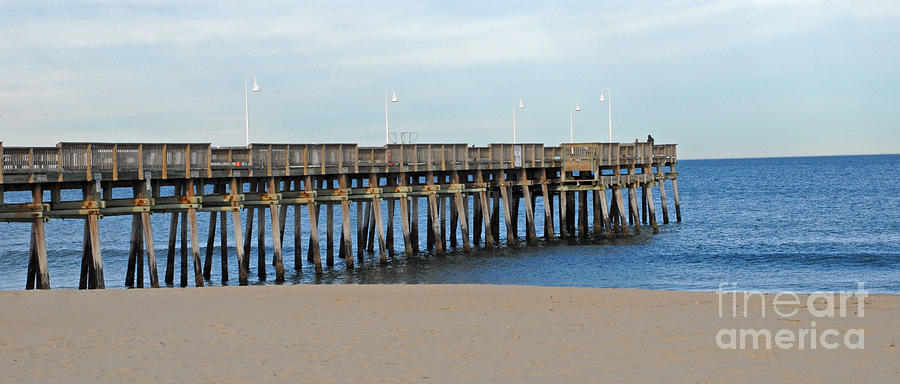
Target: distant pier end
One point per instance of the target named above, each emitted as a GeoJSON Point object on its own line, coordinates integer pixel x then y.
{"type": "Point", "coordinates": [473, 186]}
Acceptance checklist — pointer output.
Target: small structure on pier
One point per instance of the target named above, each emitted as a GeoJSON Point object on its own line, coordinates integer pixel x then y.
{"type": "Point", "coordinates": [471, 183]}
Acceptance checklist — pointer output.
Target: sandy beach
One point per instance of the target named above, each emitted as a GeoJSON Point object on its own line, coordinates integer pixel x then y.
{"type": "Point", "coordinates": [419, 333]}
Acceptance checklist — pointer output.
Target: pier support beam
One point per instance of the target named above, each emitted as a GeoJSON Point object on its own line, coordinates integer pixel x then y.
{"type": "Point", "coordinates": [277, 258]}
{"type": "Point", "coordinates": [39, 275]}
{"type": "Point", "coordinates": [404, 219]}
{"type": "Point", "coordinates": [376, 216]}
{"type": "Point", "coordinates": [313, 251]}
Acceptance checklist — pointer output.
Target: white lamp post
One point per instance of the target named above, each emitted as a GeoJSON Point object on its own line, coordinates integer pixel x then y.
{"type": "Point", "coordinates": [516, 108]}
{"type": "Point", "coordinates": [608, 99]}
{"type": "Point", "coordinates": [572, 110]}
{"type": "Point", "coordinates": [255, 88]}
{"type": "Point", "coordinates": [393, 99]}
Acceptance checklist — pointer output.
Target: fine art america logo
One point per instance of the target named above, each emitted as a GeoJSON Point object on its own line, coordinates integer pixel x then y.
{"type": "Point", "coordinates": [788, 305]}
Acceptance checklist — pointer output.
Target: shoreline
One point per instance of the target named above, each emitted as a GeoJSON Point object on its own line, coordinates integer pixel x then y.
{"type": "Point", "coordinates": [417, 332]}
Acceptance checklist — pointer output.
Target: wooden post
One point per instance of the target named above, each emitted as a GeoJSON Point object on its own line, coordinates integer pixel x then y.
{"type": "Point", "coordinates": [677, 203]}
{"type": "Point", "coordinates": [210, 242]}
{"type": "Point", "coordinates": [184, 249]}
{"type": "Point", "coordinates": [598, 218]}
{"type": "Point", "coordinates": [649, 189]}
{"type": "Point", "coordinates": [361, 209]}
{"type": "Point", "coordinates": [504, 193]}
{"type": "Point", "coordinates": [282, 215]}
{"type": "Point", "coordinates": [486, 213]}
{"type": "Point", "coordinates": [248, 234]}
{"type": "Point", "coordinates": [643, 203]}
{"type": "Point", "coordinates": [277, 258]}
{"type": "Point", "coordinates": [376, 216]}
{"type": "Point", "coordinates": [151, 252]}
{"type": "Point", "coordinates": [405, 220]}
{"type": "Point", "coordinates": [495, 215]}
{"type": "Point", "coordinates": [329, 234]}
{"type": "Point", "coordinates": [632, 204]}
{"type": "Point", "coordinates": [620, 209]}
{"type": "Point", "coordinates": [604, 211]}
{"type": "Point", "coordinates": [530, 234]}
{"type": "Point", "coordinates": [662, 199]}
{"type": "Point", "coordinates": [261, 235]}
{"type": "Point", "coordinates": [414, 223]}
{"type": "Point", "coordinates": [433, 210]}
{"type": "Point", "coordinates": [170, 256]}
{"type": "Point", "coordinates": [313, 248]}
{"type": "Point", "coordinates": [298, 226]}
{"type": "Point", "coordinates": [390, 226]}
{"type": "Point", "coordinates": [582, 213]}
{"type": "Point", "coordinates": [369, 229]}
{"type": "Point", "coordinates": [345, 225]}
{"type": "Point", "coordinates": [429, 224]}
{"type": "Point", "coordinates": [223, 242]}
{"type": "Point", "coordinates": [442, 210]}
{"type": "Point", "coordinates": [548, 207]}
{"type": "Point", "coordinates": [563, 214]}
{"type": "Point", "coordinates": [135, 249]}
{"type": "Point", "coordinates": [238, 236]}
{"type": "Point", "coordinates": [86, 256]}
{"type": "Point", "coordinates": [39, 244]}
{"type": "Point", "coordinates": [96, 279]}
{"type": "Point", "coordinates": [454, 217]}
{"type": "Point", "coordinates": [476, 218]}
{"type": "Point", "coordinates": [195, 236]}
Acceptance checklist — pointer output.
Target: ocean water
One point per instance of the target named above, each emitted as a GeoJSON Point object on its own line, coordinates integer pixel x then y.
{"type": "Point", "coordinates": [801, 224]}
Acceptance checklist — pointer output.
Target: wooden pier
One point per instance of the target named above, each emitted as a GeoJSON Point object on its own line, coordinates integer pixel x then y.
{"type": "Point", "coordinates": [472, 186]}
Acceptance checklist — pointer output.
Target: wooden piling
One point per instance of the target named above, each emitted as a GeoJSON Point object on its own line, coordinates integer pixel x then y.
{"type": "Point", "coordinates": [650, 207]}
{"type": "Point", "coordinates": [313, 248]}
{"type": "Point", "coordinates": [210, 241]}
{"type": "Point", "coordinates": [404, 220]}
{"type": "Point", "coordinates": [42, 273]}
{"type": "Point", "coordinates": [345, 225]}
{"type": "Point", "coordinates": [261, 235]}
{"type": "Point", "coordinates": [510, 234]}
{"type": "Point", "coordinates": [277, 258]}
{"type": "Point", "coordinates": [677, 202]}
{"type": "Point", "coordinates": [377, 220]}
{"type": "Point", "coordinates": [477, 218]}
{"type": "Point", "coordinates": [632, 207]}
{"type": "Point", "coordinates": [582, 214]}
{"type": "Point", "coordinates": [195, 237]}
{"type": "Point", "coordinates": [433, 212]}
{"type": "Point", "coordinates": [170, 254]}
{"type": "Point", "coordinates": [530, 234]}
{"type": "Point", "coordinates": [662, 200]}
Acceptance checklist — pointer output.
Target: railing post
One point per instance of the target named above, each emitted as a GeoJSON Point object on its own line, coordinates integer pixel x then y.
{"type": "Point", "coordinates": [89, 159]}
{"type": "Point", "coordinates": [287, 160]}
{"type": "Point", "coordinates": [115, 162]}
{"type": "Point", "coordinates": [1, 166]}
{"type": "Point", "coordinates": [269, 162]}
{"type": "Point", "coordinates": [165, 161]}
{"type": "Point", "coordinates": [187, 161]}
{"type": "Point", "coordinates": [209, 161]}
{"type": "Point", "coordinates": [141, 162]}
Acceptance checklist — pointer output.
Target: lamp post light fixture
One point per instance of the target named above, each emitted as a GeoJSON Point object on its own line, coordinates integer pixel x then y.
{"type": "Point", "coordinates": [247, 91]}
{"type": "Point", "coordinates": [572, 110]}
{"type": "Point", "coordinates": [393, 99]}
{"type": "Point", "coordinates": [608, 99]}
{"type": "Point", "coordinates": [516, 108]}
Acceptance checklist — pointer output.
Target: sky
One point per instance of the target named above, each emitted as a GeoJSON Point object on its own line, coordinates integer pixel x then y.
{"type": "Point", "coordinates": [719, 78]}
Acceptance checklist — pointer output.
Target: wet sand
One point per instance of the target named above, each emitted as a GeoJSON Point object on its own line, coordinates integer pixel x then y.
{"type": "Point", "coordinates": [419, 333]}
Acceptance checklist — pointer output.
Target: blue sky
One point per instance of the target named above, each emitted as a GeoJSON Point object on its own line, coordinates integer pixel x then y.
{"type": "Point", "coordinates": [720, 78]}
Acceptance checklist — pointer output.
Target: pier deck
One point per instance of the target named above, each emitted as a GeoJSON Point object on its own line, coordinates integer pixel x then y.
{"type": "Point", "coordinates": [475, 185]}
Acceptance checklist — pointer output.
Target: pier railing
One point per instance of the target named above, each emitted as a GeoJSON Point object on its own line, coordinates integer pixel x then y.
{"type": "Point", "coordinates": [79, 161]}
